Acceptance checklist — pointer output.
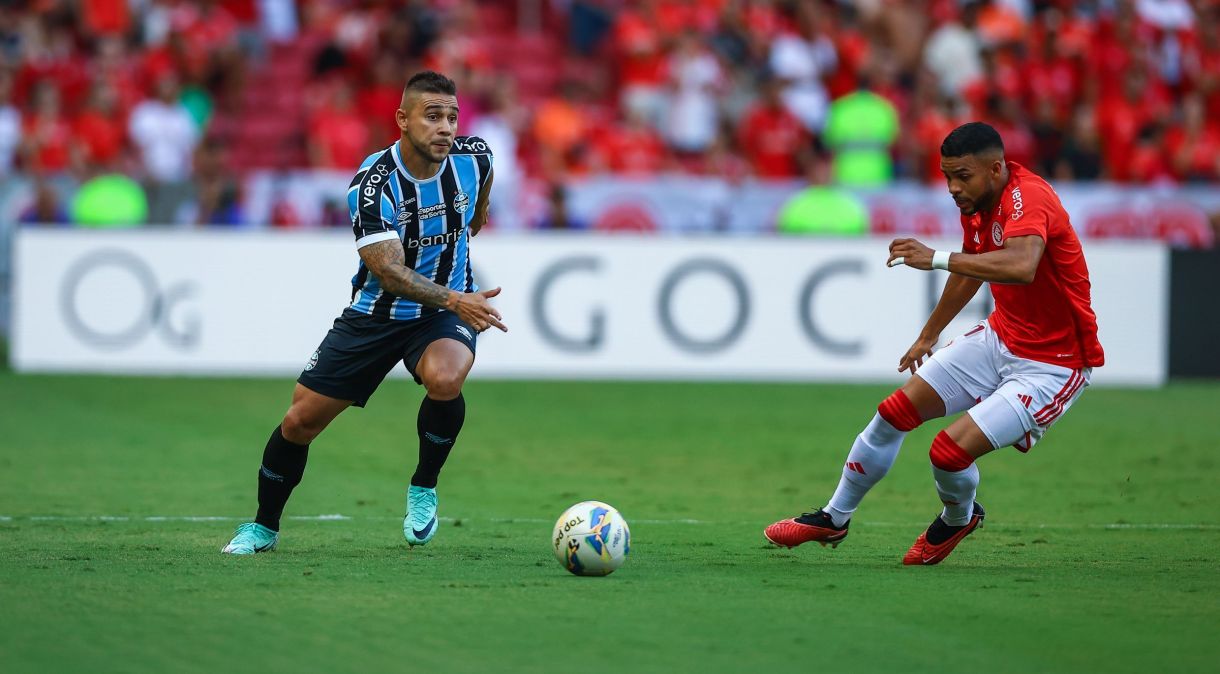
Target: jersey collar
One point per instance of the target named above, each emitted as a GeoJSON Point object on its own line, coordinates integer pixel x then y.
{"type": "Point", "coordinates": [407, 174]}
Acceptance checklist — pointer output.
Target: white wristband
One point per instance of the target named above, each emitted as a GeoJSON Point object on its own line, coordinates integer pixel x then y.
{"type": "Point", "coordinates": [940, 259]}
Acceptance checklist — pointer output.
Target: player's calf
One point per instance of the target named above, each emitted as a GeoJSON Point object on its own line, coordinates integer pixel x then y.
{"type": "Point", "coordinates": [873, 454]}
{"type": "Point", "coordinates": [957, 481]}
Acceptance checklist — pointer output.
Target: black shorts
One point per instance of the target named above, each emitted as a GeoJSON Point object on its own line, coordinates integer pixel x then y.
{"type": "Point", "coordinates": [360, 351]}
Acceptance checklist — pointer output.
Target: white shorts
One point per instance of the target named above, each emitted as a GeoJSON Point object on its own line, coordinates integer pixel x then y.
{"type": "Point", "coordinates": [1013, 400]}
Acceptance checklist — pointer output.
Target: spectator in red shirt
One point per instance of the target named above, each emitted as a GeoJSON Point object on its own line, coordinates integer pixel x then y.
{"type": "Point", "coordinates": [340, 136]}
{"type": "Point", "coordinates": [101, 130]}
{"type": "Point", "coordinates": [105, 17]}
{"type": "Point", "coordinates": [1194, 146]}
{"type": "Point", "coordinates": [1052, 76]}
{"type": "Point", "coordinates": [932, 123]}
{"type": "Point", "coordinates": [1006, 117]}
{"type": "Point", "coordinates": [1120, 120]}
{"type": "Point", "coordinates": [1148, 163]}
{"type": "Point", "coordinates": [384, 93]}
{"type": "Point", "coordinates": [633, 148]}
{"type": "Point", "coordinates": [47, 133]}
{"type": "Point", "coordinates": [641, 63]}
{"type": "Point", "coordinates": [773, 140]}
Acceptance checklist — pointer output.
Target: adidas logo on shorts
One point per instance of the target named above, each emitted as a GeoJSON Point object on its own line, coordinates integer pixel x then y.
{"type": "Point", "coordinates": [466, 333]}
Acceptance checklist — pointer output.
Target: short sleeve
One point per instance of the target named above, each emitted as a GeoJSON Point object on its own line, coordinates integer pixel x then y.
{"type": "Point", "coordinates": [1029, 216]}
{"type": "Point", "coordinates": [369, 204]}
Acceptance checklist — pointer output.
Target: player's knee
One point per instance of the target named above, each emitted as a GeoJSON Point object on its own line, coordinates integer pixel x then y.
{"type": "Point", "coordinates": [949, 456]}
{"type": "Point", "coordinates": [444, 383]}
{"type": "Point", "coordinates": [899, 412]}
{"type": "Point", "coordinates": [299, 428]}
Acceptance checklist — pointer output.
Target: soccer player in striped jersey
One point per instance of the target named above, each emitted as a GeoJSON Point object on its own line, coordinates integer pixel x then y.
{"type": "Point", "coordinates": [414, 207]}
{"type": "Point", "coordinates": [1016, 372]}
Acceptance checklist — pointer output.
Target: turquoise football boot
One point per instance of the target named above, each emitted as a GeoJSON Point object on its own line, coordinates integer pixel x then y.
{"type": "Point", "coordinates": [252, 537]}
{"type": "Point", "coordinates": [419, 526]}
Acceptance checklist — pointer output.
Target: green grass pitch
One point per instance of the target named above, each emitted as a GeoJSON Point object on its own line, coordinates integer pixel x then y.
{"type": "Point", "coordinates": [1101, 551]}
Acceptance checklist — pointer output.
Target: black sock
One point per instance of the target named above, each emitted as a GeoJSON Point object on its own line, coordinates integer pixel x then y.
{"type": "Point", "coordinates": [439, 423]}
{"type": "Point", "coordinates": [283, 466]}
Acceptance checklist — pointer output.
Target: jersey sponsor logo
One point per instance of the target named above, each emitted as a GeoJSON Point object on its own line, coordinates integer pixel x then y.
{"type": "Point", "coordinates": [432, 211]}
{"type": "Point", "coordinates": [997, 234]}
{"type": "Point", "coordinates": [1017, 204]}
{"type": "Point", "coordinates": [437, 240]}
{"type": "Point", "coordinates": [470, 145]}
{"type": "Point", "coordinates": [461, 202]}
{"type": "Point", "coordinates": [376, 177]}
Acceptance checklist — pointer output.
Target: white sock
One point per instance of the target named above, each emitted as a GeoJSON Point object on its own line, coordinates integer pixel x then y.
{"type": "Point", "coordinates": [957, 491]}
{"type": "Point", "coordinates": [870, 458]}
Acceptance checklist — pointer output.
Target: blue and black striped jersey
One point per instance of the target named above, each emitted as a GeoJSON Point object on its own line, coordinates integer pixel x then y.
{"type": "Point", "coordinates": [430, 216]}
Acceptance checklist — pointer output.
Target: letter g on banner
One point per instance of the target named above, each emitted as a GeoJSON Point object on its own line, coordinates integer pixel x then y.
{"type": "Point", "coordinates": [158, 306]}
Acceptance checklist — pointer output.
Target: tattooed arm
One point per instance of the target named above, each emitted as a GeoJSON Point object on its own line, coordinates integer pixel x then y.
{"type": "Point", "coordinates": [387, 261]}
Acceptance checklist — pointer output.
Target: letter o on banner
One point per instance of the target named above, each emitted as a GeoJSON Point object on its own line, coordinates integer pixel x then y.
{"type": "Point", "coordinates": [665, 305]}
{"type": "Point", "coordinates": [150, 299]}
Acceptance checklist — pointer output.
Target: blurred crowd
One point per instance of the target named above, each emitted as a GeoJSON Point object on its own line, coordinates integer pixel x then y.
{"type": "Point", "coordinates": [188, 98]}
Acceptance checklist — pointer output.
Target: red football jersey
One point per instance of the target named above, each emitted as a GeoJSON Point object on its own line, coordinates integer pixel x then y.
{"type": "Point", "coordinates": [1050, 320]}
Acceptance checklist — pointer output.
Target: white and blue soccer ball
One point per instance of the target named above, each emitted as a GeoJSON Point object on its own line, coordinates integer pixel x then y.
{"type": "Point", "coordinates": [591, 539]}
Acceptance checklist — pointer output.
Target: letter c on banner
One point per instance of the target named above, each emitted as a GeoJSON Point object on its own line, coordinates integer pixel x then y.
{"type": "Point", "coordinates": [597, 322]}
{"type": "Point", "coordinates": [816, 335]}
{"type": "Point", "coordinates": [670, 284]}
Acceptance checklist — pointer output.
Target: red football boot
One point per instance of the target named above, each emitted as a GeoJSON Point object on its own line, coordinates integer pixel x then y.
{"type": "Point", "coordinates": [935, 544]}
{"type": "Point", "coordinates": [814, 526]}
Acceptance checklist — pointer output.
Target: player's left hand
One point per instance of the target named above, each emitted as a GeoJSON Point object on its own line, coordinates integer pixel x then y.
{"type": "Point", "coordinates": [913, 254]}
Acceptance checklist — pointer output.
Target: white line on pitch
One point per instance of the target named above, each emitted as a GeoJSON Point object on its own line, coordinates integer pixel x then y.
{"type": "Point", "coordinates": [335, 517]}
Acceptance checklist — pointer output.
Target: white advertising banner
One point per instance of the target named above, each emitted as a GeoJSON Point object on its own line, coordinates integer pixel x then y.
{"type": "Point", "coordinates": [577, 305]}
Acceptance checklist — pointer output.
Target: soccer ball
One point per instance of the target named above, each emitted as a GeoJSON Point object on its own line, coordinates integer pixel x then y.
{"type": "Point", "coordinates": [591, 539]}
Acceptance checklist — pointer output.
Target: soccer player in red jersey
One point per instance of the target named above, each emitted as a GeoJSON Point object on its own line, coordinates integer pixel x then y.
{"type": "Point", "coordinates": [1016, 372]}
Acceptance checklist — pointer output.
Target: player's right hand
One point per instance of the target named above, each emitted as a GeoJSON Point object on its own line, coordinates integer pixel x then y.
{"type": "Point", "coordinates": [914, 357]}
{"type": "Point", "coordinates": [477, 311]}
